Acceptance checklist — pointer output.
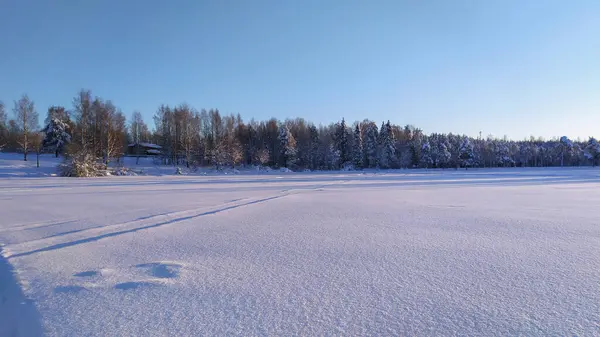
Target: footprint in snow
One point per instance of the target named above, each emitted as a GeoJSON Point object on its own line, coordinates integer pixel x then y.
{"type": "Point", "coordinates": [88, 273]}
{"type": "Point", "coordinates": [161, 270]}
{"type": "Point", "coordinates": [68, 289]}
{"type": "Point", "coordinates": [153, 274]}
{"type": "Point", "coordinates": [135, 285]}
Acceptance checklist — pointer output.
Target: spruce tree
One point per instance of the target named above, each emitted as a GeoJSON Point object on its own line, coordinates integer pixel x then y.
{"type": "Point", "coordinates": [359, 155]}
{"type": "Point", "coordinates": [57, 112]}
{"type": "Point", "coordinates": [387, 153]}
{"type": "Point", "coordinates": [370, 145]}
{"type": "Point", "coordinates": [56, 135]}
{"type": "Point", "coordinates": [341, 141]}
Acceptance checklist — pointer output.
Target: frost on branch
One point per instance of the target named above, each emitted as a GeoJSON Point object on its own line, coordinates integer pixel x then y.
{"type": "Point", "coordinates": [82, 164]}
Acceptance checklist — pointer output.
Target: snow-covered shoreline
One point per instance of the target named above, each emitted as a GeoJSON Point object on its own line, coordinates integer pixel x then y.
{"type": "Point", "coordinates": [13, 166]}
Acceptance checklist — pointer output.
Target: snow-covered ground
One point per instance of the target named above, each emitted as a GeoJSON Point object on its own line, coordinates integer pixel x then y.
{"type": "Point", "coordinates": [419, 253]}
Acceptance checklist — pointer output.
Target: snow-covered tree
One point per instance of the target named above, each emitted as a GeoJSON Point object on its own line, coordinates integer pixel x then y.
{"type": "Point", "coordinates": [82, 163]}
{"type": "Point", "coordinates": [443, 155]}
{"type": "Point", "coordinates": [503, 154]}
{"type": "Point", "coordinates": [370, 135]}
{"type": "Point", "coordinates": [426, 159]}
{"type": "Point", "coordinates": [565, 147]}
{"type": "Point", "coordinates": [314, 145]}
{"type": "Point", "coordinates": [415, 146]}
{"type": "Point", "coordinates": [219, 155]}
{"type": "Point", "coordinates": [341, 142]}
{"type": "Point", "coordinates": [56, 135]}
{"type": "Point", "coordinates": [333, 157]}
{"type": "Point", "coordinates": [359, 155]}
{"type": "Point", "coordinates": [577, 156]}
{"type": "Point", "coordinates": [466, 154]}
{"type": "Point", "coordinates": [592, 151]}
{"type": "Point", "coordinates": [287, 146]}
{"type": "Point", "coordinates": [387, 152]}
{"type": "Point", "coordinates": [262, 156]}
{"type": "Point", "coordinates": [57, 112]}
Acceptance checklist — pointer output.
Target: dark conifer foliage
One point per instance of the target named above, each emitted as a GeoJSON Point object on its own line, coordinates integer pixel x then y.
{"type": "Point", "coordinates": [183, 135]}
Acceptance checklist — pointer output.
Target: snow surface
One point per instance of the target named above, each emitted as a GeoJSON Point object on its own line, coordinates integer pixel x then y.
{"type": "Point", "coordinates": [420, 253]}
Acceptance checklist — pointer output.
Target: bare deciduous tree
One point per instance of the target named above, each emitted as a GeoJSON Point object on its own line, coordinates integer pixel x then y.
{"type": "Point", "coordinates": [37, 145]}
{"type": "Point", "coordinates": [188, 130]}
{"type": "Point", "coordinates": [114, 124]}
{"type": "Point", "coordinates": [138, 128]}
{"type": "Point", "coordinates": [26, 118]}
{"type": "Point", "coordinates": [82, 105]}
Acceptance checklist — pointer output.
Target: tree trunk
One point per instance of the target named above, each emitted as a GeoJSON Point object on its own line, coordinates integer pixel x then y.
{"type": "Point", "coordinates": [38, 158]}
{"type": "Point", "coordinates": [25, 155]}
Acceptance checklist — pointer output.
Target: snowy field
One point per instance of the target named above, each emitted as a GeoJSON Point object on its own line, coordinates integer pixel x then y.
{"type": "Point", "coordinates": [405, 253]}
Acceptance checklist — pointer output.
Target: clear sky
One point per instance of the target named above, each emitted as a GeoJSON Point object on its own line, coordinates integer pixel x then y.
{"type": "Point", "coordinates": [503, 67]}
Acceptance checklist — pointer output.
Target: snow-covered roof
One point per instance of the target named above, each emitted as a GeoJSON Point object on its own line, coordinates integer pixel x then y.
{"type": "Point", "coordinates": [150, 145]}
{"type": "Point", "coordinates": [153, 151]}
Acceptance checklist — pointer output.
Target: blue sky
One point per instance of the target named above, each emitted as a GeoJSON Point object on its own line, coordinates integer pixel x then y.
{"type": "Point", "coordinates": [503, 67]}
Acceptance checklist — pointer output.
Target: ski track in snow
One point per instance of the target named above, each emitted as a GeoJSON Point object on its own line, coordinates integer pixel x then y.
{"type": "Point", "coordinates": [481, 252]}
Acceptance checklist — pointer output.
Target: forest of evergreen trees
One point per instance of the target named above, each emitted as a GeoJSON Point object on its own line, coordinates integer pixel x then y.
{"type": "Point", "coordinates": [206, 137]}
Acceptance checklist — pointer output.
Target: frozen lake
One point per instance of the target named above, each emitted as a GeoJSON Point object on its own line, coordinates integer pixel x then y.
{"type": "Point", "coordinates": [478, 252]}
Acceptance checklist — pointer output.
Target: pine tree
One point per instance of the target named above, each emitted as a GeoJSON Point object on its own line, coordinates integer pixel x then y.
{"type": "Point", "coordinates": [56, 135]}
{"type": "Point", "coordinates": [359, 155]}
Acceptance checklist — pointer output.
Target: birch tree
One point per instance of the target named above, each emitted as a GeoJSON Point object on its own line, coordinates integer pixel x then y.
{"type": "Point", "coordinates": [26, 118]}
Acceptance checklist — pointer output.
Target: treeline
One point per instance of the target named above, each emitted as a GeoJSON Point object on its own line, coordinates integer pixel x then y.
{"type": "Point", "coordinates": [206, 137]}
